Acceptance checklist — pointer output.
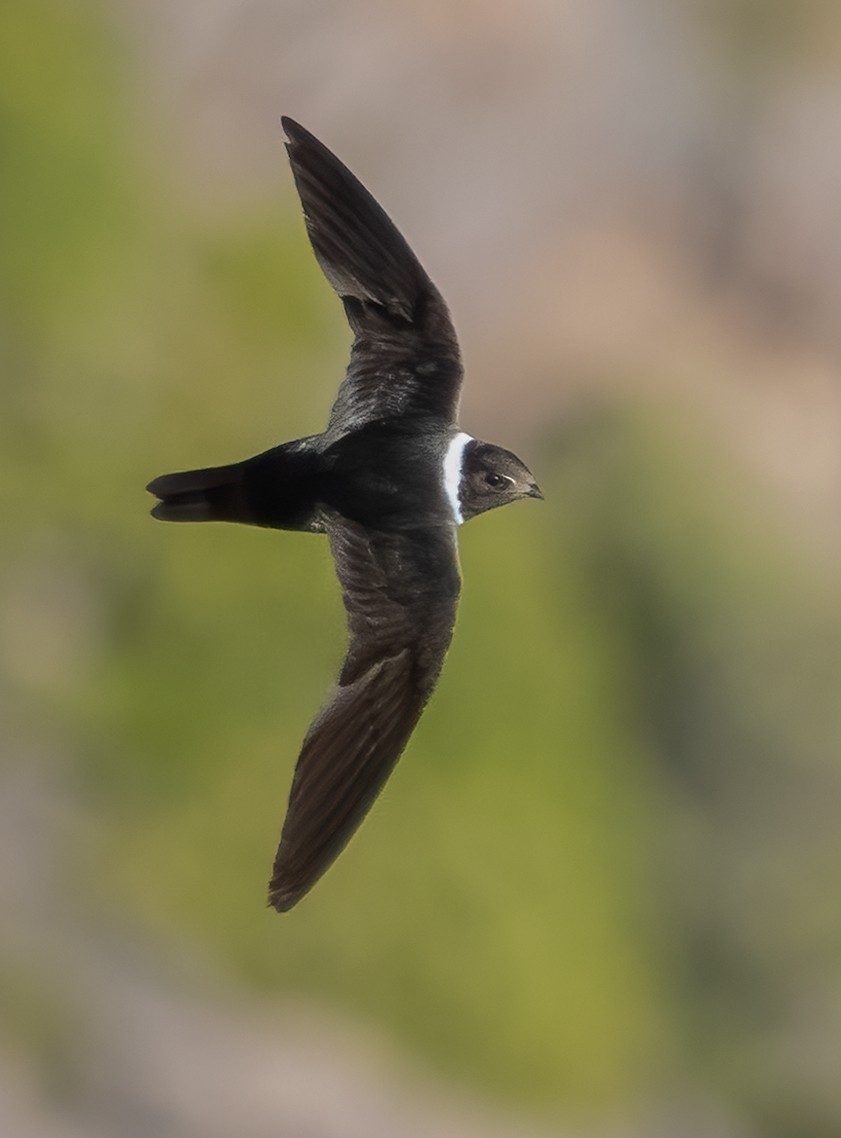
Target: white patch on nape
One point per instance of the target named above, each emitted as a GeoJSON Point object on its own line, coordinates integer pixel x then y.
{"type": "Point", "coordinates": [453, 462]}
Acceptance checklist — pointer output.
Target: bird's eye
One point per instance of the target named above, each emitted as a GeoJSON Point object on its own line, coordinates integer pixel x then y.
{"type": "Point", "coordinates": [495, 481]}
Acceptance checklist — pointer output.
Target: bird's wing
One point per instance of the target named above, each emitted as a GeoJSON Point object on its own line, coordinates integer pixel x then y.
{"type": "Point", "coordinates": [400, 591]}
{"type": "Point", "coordinates": [405, 357]}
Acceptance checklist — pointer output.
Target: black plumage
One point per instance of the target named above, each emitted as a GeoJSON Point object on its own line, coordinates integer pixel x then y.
{"type": "Point", "coordinates": [388, 481]}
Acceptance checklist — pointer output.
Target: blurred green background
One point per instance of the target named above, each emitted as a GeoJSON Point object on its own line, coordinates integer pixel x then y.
{"type": "Point", "coordinates": [600, 893]}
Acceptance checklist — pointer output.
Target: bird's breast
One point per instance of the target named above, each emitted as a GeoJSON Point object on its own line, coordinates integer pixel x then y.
{"type": "Point", "coordinates": [387, 482]}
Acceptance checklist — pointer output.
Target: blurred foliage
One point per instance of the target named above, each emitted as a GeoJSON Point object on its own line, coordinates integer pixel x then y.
{"type": "Point", "coordinates": [572, 887]}
{"type": "Point", "coordinates": [35, 1015]}
{"type": "Point", "coordinates": [760, 36]}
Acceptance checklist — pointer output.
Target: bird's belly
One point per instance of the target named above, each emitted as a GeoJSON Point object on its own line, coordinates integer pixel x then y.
{"type": "Point", "coordinates": [385, 500]}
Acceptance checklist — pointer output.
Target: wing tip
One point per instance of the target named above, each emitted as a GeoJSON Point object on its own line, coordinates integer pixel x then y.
{"type": "Point", "coordinates": [282, 897]}
{"type": "Point", "coordinates": [295, 133]}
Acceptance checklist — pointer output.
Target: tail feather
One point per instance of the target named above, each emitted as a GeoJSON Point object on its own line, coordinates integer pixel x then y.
{"type": "Point", "coordinates": [216, 494]}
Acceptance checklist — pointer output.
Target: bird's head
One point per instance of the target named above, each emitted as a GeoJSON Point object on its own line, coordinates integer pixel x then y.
{"type": "Point", "coordinates": [492, 476]}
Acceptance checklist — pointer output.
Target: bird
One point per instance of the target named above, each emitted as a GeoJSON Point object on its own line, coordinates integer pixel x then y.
{"type": "Point", "coordinates": [388, 481]}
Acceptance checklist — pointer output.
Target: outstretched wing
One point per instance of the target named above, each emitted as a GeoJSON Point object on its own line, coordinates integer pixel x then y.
{"type": "Point", "coordinates": [405, 357]}
{"type": "Point", "coordinates": [400, 590]}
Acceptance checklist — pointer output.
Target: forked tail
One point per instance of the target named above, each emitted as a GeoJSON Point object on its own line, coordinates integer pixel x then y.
{"type": "Point", "coordinates": [278, 488]}
{"type": "Point", "coordinates": [216, 494]}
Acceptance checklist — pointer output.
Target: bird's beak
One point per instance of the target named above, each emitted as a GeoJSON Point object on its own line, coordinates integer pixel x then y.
{"type": "Point", "coordinates": [534, 491]}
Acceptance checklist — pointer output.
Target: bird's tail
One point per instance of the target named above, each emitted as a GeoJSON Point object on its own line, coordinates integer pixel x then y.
{"type": "Point", "coordinates": [216, 494]}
